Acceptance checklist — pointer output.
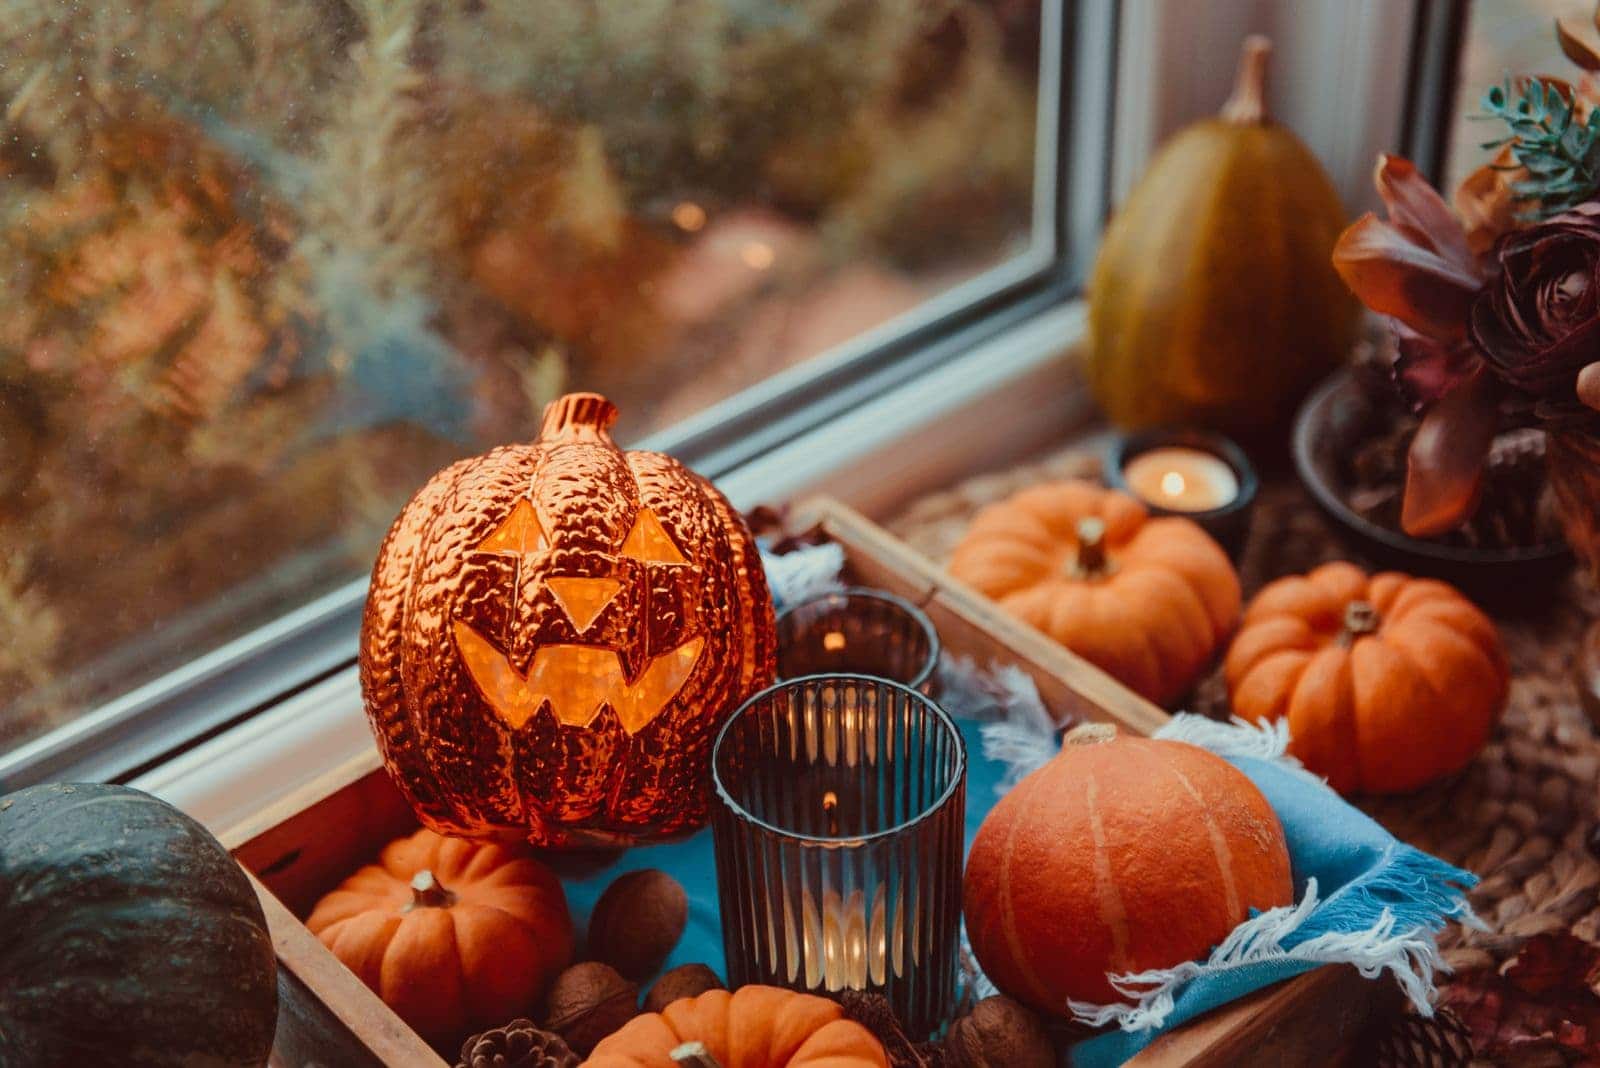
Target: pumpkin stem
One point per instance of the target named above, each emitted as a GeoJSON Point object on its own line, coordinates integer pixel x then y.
{"type": "Point", "coordinates": [1090, 734]}
{"type": "Point", "coordinates": [1248, 104]}
{"type": "Point", "coordinates": [694, 1055]}
{"type": "Point", "coordinates": [426, 893]}
{"type": "Point", "coordinates": [1360, 617]}
{"type": "Point", "coordinates": [1091, 559]}
{"type": "Point", "coordinates": [578, 417]}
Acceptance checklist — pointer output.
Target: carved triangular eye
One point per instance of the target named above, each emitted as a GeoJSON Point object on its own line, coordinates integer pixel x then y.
{"type": "Point", "coordinates": [519, 535]}
{"type": "Point", "coordinates": [649, 542]}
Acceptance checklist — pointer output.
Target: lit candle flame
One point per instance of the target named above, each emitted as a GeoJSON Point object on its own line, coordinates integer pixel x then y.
{"type": "Point", "coordinates": [830, 807]}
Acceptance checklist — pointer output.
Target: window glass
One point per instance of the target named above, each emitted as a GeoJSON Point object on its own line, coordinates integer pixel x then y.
{"type": "Point", "coordinates": [270, 263]}
{"type": "Point", "coordinates": [1504, 38]}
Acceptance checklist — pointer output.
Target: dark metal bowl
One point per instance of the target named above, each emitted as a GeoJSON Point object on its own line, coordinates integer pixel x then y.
{"type": "Point", "coordinates": [1325, 430]}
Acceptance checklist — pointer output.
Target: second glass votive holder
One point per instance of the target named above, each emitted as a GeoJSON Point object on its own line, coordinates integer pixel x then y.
{"type": "Point", "coordinates": [838, 828]}
{"type": "Point", "coordinates": [858, 631]}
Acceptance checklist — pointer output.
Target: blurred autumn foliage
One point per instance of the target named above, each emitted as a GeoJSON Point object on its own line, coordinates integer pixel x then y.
{"type": "Point", "coordinates": [270, 264]}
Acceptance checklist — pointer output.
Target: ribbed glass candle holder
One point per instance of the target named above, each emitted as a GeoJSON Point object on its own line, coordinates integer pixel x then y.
{"type": "Point", "coordinates": [858, 631]}
{"type": "Point", "coordinates": [838, 831]}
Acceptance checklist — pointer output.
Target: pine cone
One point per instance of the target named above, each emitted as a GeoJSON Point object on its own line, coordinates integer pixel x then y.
{"type": "Point", "coordinates": [519, 1044]}
{"type": "Point", "coordinates": [874, 1012]}
{"type": "Point", "coordinates": [1415, 1042]}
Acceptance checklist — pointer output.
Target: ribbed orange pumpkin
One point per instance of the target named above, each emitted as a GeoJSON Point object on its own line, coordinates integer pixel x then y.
{"type": "Point", "coordinates": [1147, 600]}
{"type": "Point", "coordinates": [1122, 854]}
{"type": "Point", "coordinates": [753, 1027]}
{"type": "Point", "coordinates": [454, 936]}
{"type": "Point", "coordinates": [554, 632]}
{"type": "Point", "coordinates": [1388, 682]}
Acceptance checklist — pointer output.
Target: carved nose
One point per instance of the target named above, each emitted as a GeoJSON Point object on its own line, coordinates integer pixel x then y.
{"type": "Point", "coordinates": [583, 599]}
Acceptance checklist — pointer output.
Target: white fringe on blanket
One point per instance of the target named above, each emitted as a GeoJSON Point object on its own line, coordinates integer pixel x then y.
{"type": "Point", "coordinates": [1401, 942]}
{"type": "Point", "coordinates": [805, 572]}
{"type": "Point", "coordinates": [1412, 956]}
{"type": "Point", "coordinates": [1238, 738]}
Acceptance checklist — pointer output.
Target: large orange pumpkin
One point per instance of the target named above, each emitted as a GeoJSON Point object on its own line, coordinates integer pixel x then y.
{"type": "Point", "coordinates": [553, 634]}
{"type": "Point", "coordinates": [753, 1027]}
{"type": "Point", "coordinates": [454, 936]}
{"type": "Point", "coordinates": [1388, 682]}
{"type": "Point", "coordinates": [1120, 855]}
{"type": "Point", "coordinates": [1147, 600]}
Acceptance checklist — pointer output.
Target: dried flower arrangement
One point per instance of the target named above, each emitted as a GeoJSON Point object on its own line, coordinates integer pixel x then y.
{"type": "Point", "coordinates": [1496, 305]}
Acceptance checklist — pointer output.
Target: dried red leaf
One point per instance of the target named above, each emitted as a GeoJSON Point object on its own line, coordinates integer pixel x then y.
{"type": "Point", "coordinates": [1444, 466]}
{"type": "Point", "coordinates": [1576, 48]}
{"type": "Point", "coordinates": [1541, 1001]}
{"type": "Point", "coordinates": [1425, 369]}
{"type": "Point", "coordinates": [1416, 206]}
{"type": "Point", "coordinates": [1418, 266]}
{"type": "Point", "coordinates": [1395, 272]}
{"type": "Point", "coordinates": [1553, 963]}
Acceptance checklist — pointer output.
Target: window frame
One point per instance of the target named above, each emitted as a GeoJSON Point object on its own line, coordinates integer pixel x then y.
{"type": "Point", "coordinates": [300, 652]}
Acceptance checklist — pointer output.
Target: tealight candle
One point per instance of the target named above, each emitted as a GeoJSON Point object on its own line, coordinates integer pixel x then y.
{"type": "Point", "coordinates": [837, 835]}
{"type": "Point", "coordinates": [1181, 479]}
{"type": "Point", "coordinates": [1190, 473]}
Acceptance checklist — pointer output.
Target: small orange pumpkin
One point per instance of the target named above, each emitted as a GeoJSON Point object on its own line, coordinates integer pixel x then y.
{"type": "Point", "coordinates": [1388, 682]}
{"type": "Point", "coordinates": [454, 936]}
{"type": "Point", "coordinates": [1149, 601]}
{"type": "Point", "coordinates": [753, 1027]}
{"type": "Point", "coordinates": [1120, 855]}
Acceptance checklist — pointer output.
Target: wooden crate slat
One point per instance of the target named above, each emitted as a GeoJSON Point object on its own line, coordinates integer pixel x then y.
{"type": "Point", "coordinates": [305, 845]}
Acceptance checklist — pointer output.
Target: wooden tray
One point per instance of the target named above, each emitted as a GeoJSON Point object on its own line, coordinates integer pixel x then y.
{"type": "Point", "coordinates": [303, 847]}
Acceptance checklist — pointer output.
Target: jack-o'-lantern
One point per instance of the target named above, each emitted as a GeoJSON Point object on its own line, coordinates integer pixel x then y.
{"type": "Point", "coordinates": [553, 634]}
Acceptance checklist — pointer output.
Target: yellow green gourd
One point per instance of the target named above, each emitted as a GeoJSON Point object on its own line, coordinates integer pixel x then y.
{"type": "Point", "coordinates": [1213, 300]}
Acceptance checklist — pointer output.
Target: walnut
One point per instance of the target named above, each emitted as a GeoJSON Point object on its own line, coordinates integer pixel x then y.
{"type": "Point", "coordinates": [1000, 1033]}
{"type": "Point", "coordinates": [684, 981]}
{"type": "Point", "coordinates": [637, 922]}
{"type": "Point", "coordinates": [587, 1002]}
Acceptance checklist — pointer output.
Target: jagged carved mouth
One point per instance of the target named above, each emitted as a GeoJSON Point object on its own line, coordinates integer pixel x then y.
{"type": "Point", "coordinates": [576, 680]}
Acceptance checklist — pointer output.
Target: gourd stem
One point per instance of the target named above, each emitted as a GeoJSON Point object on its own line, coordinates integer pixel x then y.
{"type": "Point", "coordinates": [1248, 104]}
{"type": "Point", "coordinates": [578, 417]}
{"type": "Point", "coordinates": [1090, 734]}
{"type": "Point", "coordinates": [694, 1055]}
{"type": "Point", "coordinates": [1360, 617]}
{"type": "Point", "coordinates": [426, 893]}
{"type": "Point", "coordinates": [1091, 559]}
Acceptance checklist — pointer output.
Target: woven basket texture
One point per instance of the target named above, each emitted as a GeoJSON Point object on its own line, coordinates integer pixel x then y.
{"type": "Point", "coordinates": [1520, 816]}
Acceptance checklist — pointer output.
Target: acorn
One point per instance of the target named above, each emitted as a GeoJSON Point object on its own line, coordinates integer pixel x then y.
{"type": "Point", "coordinates": [587, 1002]}
{"type": "Point", "coordinates": [637, 922]}
{"type": "Point", "coordinates": [684, 981]}
{"type": "Point", "coordinates": [1000, 1033]}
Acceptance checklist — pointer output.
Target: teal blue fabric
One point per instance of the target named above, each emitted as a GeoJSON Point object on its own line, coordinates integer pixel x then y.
{"type": "Point", "coordinates": [691, 862]}
{"type": "Point", "coordinates": [1359, 867]}
{"type": "Point", "coordinates": [1360, 870]}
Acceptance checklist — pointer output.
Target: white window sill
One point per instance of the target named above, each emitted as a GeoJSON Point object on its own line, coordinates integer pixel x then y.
{"type": "Point", "coordinates": [1000, 401]}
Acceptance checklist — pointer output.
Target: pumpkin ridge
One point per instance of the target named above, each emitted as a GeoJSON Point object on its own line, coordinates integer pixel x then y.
{"type": "Point", "coordinates": [1007, 911]}
{"type": "Point", "coordinates": [1220, 850]}
{"type": "Point", "coordinates": [413, 709]}
{"type": "Point", "coordinates": [1113, 913]}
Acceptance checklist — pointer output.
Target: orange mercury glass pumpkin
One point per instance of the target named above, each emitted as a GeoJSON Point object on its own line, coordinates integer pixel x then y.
{"type": "Point", "coordinates": [1388, 682]}
{"type": "Point", "coordinates": [1120, 855]}
{"type": "Point", "coordinates": [753, 1027]}
{"type": "Point", "coordinates": [554, 632]}
{"type": "Point", "coordinates": [454, 936]}
{"type": "Point", "coordinates": [1148, 601]}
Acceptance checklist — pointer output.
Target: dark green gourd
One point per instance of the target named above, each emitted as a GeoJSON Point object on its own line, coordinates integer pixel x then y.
{"type": "Point", "coordinates": [128, 937]}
